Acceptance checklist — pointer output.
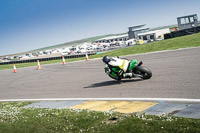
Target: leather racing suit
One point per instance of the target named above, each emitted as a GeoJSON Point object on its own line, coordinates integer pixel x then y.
{"type": "Point", "coordinates": [118, 67]}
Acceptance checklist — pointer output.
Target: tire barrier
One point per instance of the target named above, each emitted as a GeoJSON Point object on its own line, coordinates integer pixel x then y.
{"type": "Point", "coordinates": [46, 59]}
{"type": "Point", "coordinates": [184, 32]}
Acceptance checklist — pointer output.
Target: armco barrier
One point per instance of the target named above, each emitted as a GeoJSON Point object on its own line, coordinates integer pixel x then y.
{"type": "Point", "coordinates": [46, 59]}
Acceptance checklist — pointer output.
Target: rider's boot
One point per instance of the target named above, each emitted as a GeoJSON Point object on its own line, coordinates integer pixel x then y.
{"type": "Point", "coordinates": [127, 75]}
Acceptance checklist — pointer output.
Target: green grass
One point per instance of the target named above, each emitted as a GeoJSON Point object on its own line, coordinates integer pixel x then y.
{"type": "Point", "coordinates": [169, 44]}
{"type": "Point", "coordinates": [16, 119]}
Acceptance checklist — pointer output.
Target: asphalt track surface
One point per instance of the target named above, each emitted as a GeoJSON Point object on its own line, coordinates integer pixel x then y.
{"type": "Point", "coordinates": [176, 74]}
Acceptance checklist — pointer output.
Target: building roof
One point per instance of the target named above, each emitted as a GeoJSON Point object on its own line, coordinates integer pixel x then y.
{"type": "Point", "coordinates": [138, 29]}
{"type": "Point", "coordinates": [166, 30]}
{"type": "Point", "coordinates": [113, 37]}
{"type": "Point", "coordinates": [137, 26]}
{"type": "Point", "coordinates": [187, 16]}
{"type": "Point", "coordinates": [147, 33]}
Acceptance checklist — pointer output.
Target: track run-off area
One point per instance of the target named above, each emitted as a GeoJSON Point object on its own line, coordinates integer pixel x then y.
{"type": "Point", "coordinates": [176, 74]}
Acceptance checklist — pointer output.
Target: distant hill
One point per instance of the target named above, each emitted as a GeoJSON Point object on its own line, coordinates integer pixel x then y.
{"type": "Point", "coordinates": [67, 44]}
{"type": "Point", "coordinates": [163, 27]}
{"type": "Point", "coordinates": [169, 26]}
{"type": "Point", "coordinates": [74, 43]}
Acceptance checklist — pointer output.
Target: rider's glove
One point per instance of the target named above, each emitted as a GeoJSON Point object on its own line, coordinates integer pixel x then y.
{"type": "Point", "coordinates": [107, 70]}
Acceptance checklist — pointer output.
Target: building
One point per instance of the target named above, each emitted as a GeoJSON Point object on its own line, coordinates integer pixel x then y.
{"type": "Point", "coordinates": [135, 30]}
{"type": "Point", "coordinates": [132, 34]}
{"type": "Point", "coordinates": [186, 22]}
{"type": "Point", "coordinates": [187, 25]}
{"type": "Point", "coordinates": [153, 35]}
{"type": "Point", "coordinates": [113, 39]}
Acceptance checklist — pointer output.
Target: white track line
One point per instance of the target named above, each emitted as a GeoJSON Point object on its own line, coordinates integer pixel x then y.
{"type": "Point", "coordinates": [106, 99]}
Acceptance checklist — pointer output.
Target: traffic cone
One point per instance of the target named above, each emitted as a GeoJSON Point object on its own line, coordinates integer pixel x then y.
{"type": "Point", "coordinates": [15, 69]}
{"type": "Point", "coordinates": [38, 67]}
{"type": "Point", "coordinates": [63, 60]}
{"type": "Point", "coordinates": [86, 55]}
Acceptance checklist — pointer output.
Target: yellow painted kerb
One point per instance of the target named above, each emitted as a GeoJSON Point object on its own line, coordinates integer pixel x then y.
{"type": "Point", "coordinates": [117, 106]}
{"type": "Point", "coordinates": [89, 104]}
{"type": "Point", "coordinates": [109, 106]}
{"type": "Point", "coordinates": [135, 107]}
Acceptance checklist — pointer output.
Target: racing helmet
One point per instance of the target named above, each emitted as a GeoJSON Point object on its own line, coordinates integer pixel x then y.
{"type": "Point", "coordinates": [106, 59]}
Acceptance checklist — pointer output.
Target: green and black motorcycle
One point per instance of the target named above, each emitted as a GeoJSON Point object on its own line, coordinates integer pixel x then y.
{"type": "Point", "coordinates": [135, 68]}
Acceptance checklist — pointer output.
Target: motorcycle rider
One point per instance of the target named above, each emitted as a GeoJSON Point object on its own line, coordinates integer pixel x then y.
{"type": "Point", "coordinates": [118, 67]}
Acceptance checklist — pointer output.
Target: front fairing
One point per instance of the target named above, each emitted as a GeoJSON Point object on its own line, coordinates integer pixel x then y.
{"type": "Point", "coordinates": [132, 64]}
{"type": "Point", "coordinates": [113, 73]}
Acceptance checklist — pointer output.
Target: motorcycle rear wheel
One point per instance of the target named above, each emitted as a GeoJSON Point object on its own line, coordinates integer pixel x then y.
{"type": "Point", "coordinates": [143, 71]}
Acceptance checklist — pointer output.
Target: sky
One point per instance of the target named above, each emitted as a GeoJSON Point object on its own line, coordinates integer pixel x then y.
{"type": "Point", "coordinates": [31, 24]}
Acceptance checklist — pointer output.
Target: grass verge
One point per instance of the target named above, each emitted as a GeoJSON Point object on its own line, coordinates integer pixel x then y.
{"type": "Point", "coordinates": [14, 119]}
{"type": "Point", "coordinates": [170, 44]}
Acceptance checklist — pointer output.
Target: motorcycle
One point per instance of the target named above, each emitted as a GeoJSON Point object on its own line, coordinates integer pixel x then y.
{"type": "Point", "coordinates": [135, 68]}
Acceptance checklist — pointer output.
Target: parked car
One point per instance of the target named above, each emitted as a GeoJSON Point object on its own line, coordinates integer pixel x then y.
{"type": "Point", "coordinates": [130, 42]}
{"type": "Point", "coordinates": [65, 53]}
{"type": "Point", "coordinates": [159, 39]}
{"type": "Point", "coordinates": [81, 51]}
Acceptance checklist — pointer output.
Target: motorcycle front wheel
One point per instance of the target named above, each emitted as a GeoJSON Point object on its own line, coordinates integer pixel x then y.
{"type": "Point", "coordinates": [143, 71]}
